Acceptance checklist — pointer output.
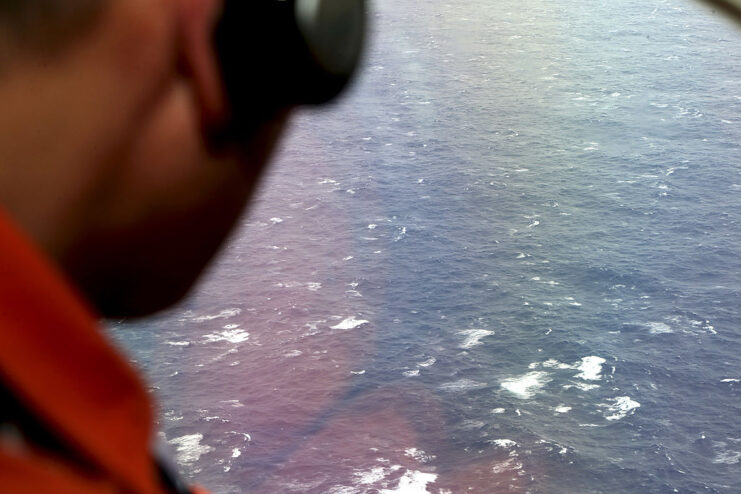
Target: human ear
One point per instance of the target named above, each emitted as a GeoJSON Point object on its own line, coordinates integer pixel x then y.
{"type": "Point", "coordinates": [196, 22]}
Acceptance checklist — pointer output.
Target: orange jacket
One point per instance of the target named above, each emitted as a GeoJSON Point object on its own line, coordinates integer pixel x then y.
{"type": "Point", "coordinates": [61, 371]}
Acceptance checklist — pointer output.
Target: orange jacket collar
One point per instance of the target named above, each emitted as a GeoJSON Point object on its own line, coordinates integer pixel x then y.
{"type": "Point", "coordinates": [54, 357]}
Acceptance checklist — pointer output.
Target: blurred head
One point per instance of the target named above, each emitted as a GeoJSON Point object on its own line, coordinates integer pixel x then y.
{"type": "Point", "coordinates": [105, 160]}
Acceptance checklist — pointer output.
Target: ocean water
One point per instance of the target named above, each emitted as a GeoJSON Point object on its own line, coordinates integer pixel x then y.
{"type": "Point", "coordinates": [507, 261]}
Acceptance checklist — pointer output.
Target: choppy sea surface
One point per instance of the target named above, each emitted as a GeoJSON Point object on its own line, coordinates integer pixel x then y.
{"type": "Point", "coordinates": [507, 261]}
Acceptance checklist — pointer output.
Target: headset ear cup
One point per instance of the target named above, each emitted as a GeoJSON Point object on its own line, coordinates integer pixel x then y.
{"type": "Point", "coordinates": [275, 54]}
{"type": "Point", "coordinates": [333, 32]}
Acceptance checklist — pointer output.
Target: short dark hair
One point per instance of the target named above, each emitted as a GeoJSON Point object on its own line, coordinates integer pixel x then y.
{"type": "Point", "coordinates": [45, 26]}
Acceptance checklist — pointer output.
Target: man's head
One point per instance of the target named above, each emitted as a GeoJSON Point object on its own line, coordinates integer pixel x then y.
{"type": "Point", "coordinates": [104, 155]}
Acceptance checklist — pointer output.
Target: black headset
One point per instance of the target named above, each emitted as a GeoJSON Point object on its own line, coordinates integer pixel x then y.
{"type": "Point", "coordinates": [276, 54]}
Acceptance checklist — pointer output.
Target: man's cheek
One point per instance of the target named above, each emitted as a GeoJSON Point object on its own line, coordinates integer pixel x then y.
{"type": "Point", "coordinates": [169, 171]}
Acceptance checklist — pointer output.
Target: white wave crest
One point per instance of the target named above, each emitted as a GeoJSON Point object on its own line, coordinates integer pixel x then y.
{"type": "Point", "coordinates": [473, 337]}
{"type": "Point", "coordinates": [228, 335]}
{"type": "Point", "coordinates": [413, 482]}
{"type": "Point", "coordinates": [349, 323]}
{"type": "Point", "coordinates": [591, 368]}
{"type": "Point", "coordinates": [621, 407]}
{"type": "Point", "coordinates": [527, 385]}
{"type": "Point", "coordinates": [188, 448]}
{"type": "Point", "coordinates": [462, 385]}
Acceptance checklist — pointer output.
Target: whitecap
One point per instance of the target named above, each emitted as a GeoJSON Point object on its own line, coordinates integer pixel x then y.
{"type": "Point", "coordinates": [658, 328]}
{"type": "Point", "coordinates": [188, 448]}
{"type": "Point", "coordinates": [178, 343]}
{"type": "Point", "coordinates": [621, 407]}
{"type": "Point", "coordinates": [418, 455]}
{"type": "Point", "coordinates": [555, 364]}
{"type": "Point", "coordinates": [224, 314]}
{"type": "Point", "coordinates": [246, 436]}
{"type": "Point", "coordinates": [527, 385]}
{"type": "Point", "coordinates": [581, 386]}
{"type": "Point", "coordinates": [510, 464]}
{"type": "Point", "coordinates": [349, 323]}
{"type": "Point", "coordinates": [236, 453]}
{"type": "Point", "coordinates": [413, 482]}
{"type": "Point", "coordinates": [427, 363]}
{"type": "Point", "coordinates": [474, 336]}
{"type": "Point", "coordinates": [462, 385]}
{"type": "Point", "coordinates": [171, 415]}
{"type": "Point", "coordinates": [411, 373]}
{"type": "Point", "coordinates": [728, 457]}
{"type": "Point", "coordinates": [562, 409]}
{"type": "Point", "coordinates": [228, 335]}
{"type": "Point", "coordinates": [233, 403]}
{"type": "Point", "coordinates": [372, 476]}
{"type": "Point", "coordinates": [275, 221]}
{"type": "Point", "coordinates": [591, 368]}
{"type": "Point", "coordinates": [503, 443]}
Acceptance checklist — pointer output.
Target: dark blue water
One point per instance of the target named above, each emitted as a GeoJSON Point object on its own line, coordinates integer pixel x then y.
{"type": "Point", "coordinates": [507, 262]}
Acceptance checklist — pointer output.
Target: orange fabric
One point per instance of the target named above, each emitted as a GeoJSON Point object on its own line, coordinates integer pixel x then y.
{"type": "Point", "coordinates": [53, 356]}
{"type": "Point", "coordinates": [35, 474]}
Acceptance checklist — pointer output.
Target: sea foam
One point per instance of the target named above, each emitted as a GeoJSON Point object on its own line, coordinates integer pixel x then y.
{"type": "Point", "coordinates": [591, 368]}
{"type": "Point", "coordinates": [228, 335]}
{"type": "Point", "coordinates": [224, 314]}
{"type": "Point", "coordinates": [462, 385]}
{"type": "Point", "coordinates": [621, 407]}
{"type": "Point", "coordinates": [473, 337]}
{"type": "Point", "coordinates": [503, 443]}
{"type": "Point", "coordinates": [349, 323]}
{"type": "Point", "coordinates": [413, 482]}
{"type": "Point", "coordinates": [527, 385]}
{"type": "Point", "coordinates": [188, 448]}
{"type": "Point", "coordinates": [658, 328]}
